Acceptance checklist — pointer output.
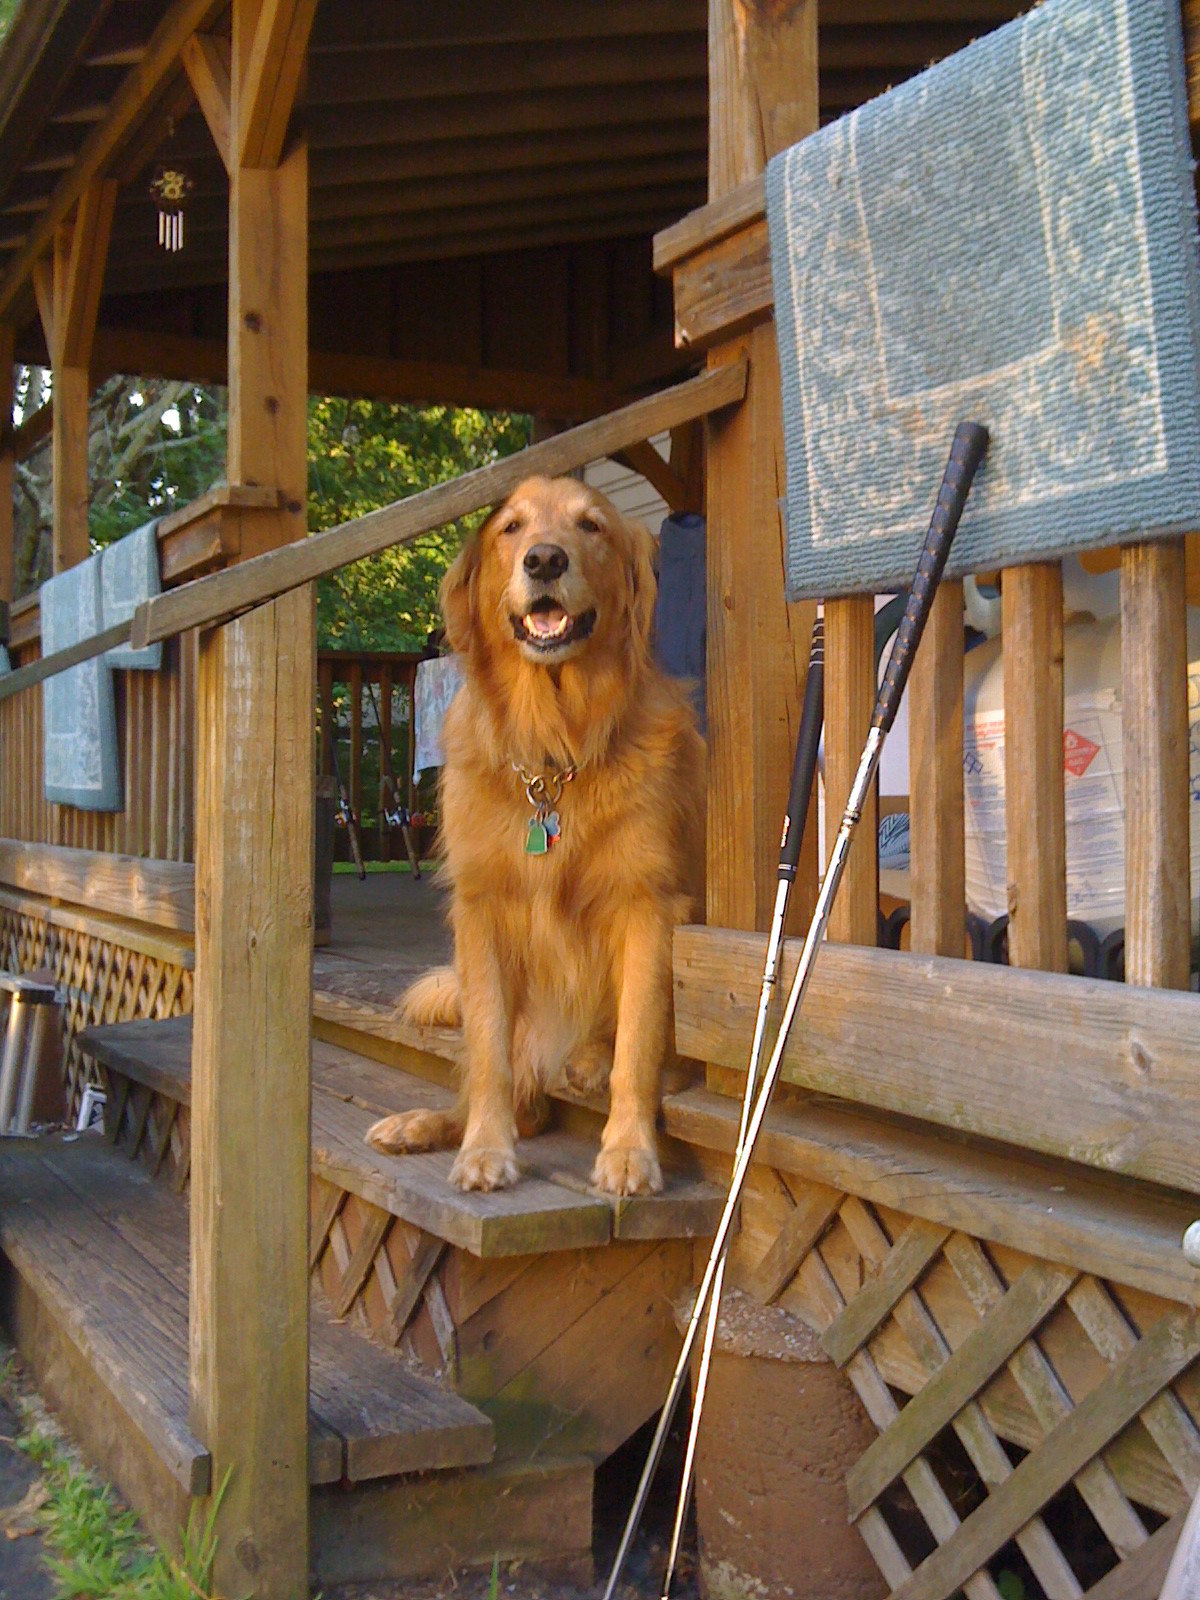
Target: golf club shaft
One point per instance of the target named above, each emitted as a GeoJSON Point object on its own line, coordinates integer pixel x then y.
{"type": "Point", "coordinates": [804, 767]}
{"type": "Point", "coordinates": [970, 442]}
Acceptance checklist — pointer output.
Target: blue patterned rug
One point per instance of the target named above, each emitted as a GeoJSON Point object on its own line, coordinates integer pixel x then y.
{"type": "Point", "coordinates": [1010, 237]}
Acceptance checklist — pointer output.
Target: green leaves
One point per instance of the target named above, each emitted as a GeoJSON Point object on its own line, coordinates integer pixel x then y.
{"type": "Point", "coordinates": [366, 454]}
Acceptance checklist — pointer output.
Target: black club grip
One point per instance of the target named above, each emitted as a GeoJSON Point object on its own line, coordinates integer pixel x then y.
{"type": "Point", "coordinates": [805, 764]}
{"type": "Point", "coordinates": [967, 451]}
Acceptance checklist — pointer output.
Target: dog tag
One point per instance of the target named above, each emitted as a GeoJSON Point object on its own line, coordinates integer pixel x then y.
{"type": "Point", "coordinates": [536, 840]}
{"type": "Point", "coordinates": [552, 826]}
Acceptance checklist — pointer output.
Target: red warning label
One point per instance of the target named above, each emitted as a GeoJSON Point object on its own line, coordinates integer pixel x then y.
{"type": "Point", "coordinates": [1078, 752]}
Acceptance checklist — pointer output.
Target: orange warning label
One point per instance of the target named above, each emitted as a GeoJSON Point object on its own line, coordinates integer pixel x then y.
{"type": "Point", "coordinates": [1078, 753]}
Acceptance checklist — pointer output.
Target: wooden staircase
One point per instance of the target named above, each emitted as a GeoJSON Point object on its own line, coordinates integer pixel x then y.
{"type": "Point", "coordinates": [516, 1339]}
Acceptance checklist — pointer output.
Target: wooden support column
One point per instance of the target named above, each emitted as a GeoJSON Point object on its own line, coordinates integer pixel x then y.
{"type": "Point", "coordinates": [1035, 823]}
{"type": "Point", "coordinates": [254, 853]}
{"type": "Point", "coordinates": [1154, 705]}
{"type": "Point", "coordinates": [935, 762]}
{"type": "Point", "coordinates": [8, 553]}
{"type": "Point", "coordinates": [68, 295]}
{"type": "Point", "coordinates": [762, 97]}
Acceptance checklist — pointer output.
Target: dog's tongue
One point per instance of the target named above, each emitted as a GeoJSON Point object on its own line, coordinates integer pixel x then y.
{"type": "Point", "coordinates": [546, 624]}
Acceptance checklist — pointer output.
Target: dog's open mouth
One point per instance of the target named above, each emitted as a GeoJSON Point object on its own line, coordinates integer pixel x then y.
{"type": "Point", "coordinates": [546, 626]}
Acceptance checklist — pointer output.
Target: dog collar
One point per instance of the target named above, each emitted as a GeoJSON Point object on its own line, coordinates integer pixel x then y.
{"type": "Point", "coordinates": [543, 790]}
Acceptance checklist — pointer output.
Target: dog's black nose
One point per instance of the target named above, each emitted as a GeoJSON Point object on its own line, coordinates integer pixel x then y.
{"type": "Point", "coordinates": [545, 562]}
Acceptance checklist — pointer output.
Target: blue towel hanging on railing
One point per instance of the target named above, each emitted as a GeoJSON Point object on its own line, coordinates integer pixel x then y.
{"type": "Point", "coordinates": [81, 749]}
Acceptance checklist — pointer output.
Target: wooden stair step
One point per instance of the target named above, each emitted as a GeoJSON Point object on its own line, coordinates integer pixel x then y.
{"type": "Point", "coordinates": [105, 1249]}
{"type": "Point", "coordinates": [552, 1208]}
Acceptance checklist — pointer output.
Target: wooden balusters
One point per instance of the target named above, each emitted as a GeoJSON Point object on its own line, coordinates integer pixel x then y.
{"type": "Point", "coordinates": [849, 701]}
{"type": "Point", "coordinates": [1154, 707]}
{"type": "Point", "coordinates": [1033, 766]}
{"type": "Point", "coordinates": [935, 723]}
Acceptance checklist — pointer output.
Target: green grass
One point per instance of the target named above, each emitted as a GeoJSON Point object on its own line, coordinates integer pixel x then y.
{"type": "Point", "coordinates": [343, 867]}
{"type": "Point", "coordinates": [95, 1548]}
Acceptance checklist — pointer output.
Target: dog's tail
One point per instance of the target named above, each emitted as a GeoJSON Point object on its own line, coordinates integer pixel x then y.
{"type": "Point", "coordinates": [433, 1001]}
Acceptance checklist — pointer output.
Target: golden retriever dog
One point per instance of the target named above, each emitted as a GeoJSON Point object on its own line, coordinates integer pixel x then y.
{"type": "Point", "coordinates": [572, 824]}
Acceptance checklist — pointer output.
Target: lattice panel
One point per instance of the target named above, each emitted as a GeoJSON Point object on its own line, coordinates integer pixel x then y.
{"type": "Point", "coordinates": [384, 1272]}
{"type": "Point", "coordinates": [101, 980]}
{"type": "Point", "coordinates": [1031, 1417]}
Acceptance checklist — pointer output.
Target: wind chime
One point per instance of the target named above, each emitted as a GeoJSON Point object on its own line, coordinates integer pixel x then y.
{"type": "Point", "coordinates": [169, 189]}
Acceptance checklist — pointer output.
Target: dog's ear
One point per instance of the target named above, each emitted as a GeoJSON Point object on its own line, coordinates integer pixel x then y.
{"type": "Point", "coordinates": [643, 586]}
{"type": "Point", "coordinates": [458, 595]}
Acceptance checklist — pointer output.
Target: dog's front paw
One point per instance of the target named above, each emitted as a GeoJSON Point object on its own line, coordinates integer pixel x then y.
{"type": "Point", "coordinates": [411, 1130]}
{"type": "Point", "coordinates": [477, 1168]}
{"type": "Point", "coordinates": [632, 1170]}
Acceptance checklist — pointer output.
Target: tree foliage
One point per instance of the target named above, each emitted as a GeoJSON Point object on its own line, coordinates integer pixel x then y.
{"type": "Point", "coordinates": [364, 454]}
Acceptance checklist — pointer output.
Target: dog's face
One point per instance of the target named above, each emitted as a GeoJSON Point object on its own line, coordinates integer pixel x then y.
{"type": "Point", "coordinates": [554, 573]}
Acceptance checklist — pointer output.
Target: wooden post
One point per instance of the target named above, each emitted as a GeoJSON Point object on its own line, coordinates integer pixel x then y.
{"type": "Point", "coordinates": [1154, 702]}
{"type": "Point", "coordinates": [8, 553]}
{"type": "Point", "coordinates": [385, 766]}
{"type": "Point", "coordinates": [935, 763]}
{"type": "Point", "coordinates": [254, 854]}
{"type": "Point", "coordinates": [356, 688]}
{"type": "Point", "coordinates": [762, 97]}
{"type": "Point", "coordinates": [325, 694]}
{"type": "Point", "coordinates": [68, 295]}
{"type": "Point", "coordinates": [1035, 823]}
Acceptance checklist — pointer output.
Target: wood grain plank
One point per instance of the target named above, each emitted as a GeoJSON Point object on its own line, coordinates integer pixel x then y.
{"type": "Point", "coordinates": [159, 892]}
{"type": "Point", "coordinates": [1035, 820]}
{"type": "Point", "coordinates": [900, 1032]}
{"type": "Point", "coordinates": [906, 1261]}
{"type": "Point", "coordinates": [1158, 932]}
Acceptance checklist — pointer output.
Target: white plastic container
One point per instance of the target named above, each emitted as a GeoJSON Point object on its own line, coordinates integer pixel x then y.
{"type": "Point", "coordinates": [1094, 775]}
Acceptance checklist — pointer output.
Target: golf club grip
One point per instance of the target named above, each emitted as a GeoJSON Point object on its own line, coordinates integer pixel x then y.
{"type": "Point", "coordinates": [805, 764]}
{"type": "Point", "coordinates": [967, 451]}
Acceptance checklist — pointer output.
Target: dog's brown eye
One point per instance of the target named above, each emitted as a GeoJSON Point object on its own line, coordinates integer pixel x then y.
{"type": "Point", "coordinates": [589, 525]}
{"type": "Point", "coordinates": [511, 525]}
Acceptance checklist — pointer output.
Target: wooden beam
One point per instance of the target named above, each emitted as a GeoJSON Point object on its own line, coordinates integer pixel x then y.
{"type": "Point", "coordinates": [206, 61]}
{"type": "Point", "coordinates": [270, 78]}
{"type": "Point", "coordinates": [1035, 822]}
{"type": "Point", "coordinates": [900, 1032]}
{"type": "Point", "coordinates": [644, 459]}
{"type": "Point", "coordinates": [253, 999]}
{"type": "Point", "coordinates": [78, 298]}
{"type": "Point", "coordinates": [762, 97]}
{"type": "Point", "coordinates": [125, 111]}
{"type": "Point", "coordinates": [277, 571]}
{"type": "Point", "coordinates": [69, 467]}
{"type": "Point", "coordinates": [1154, 663]}
{"type": "Point", "coordinates": [167, 355]}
